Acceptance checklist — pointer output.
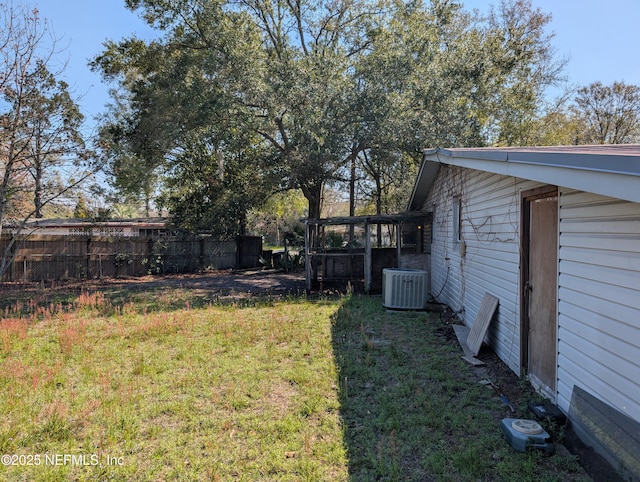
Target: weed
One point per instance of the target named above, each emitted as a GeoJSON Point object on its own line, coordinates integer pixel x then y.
{"type": "Point", "coordinates": [71, 334]}
{"type": "Point", "coordinates": [90, 300]}
{"type": "Point", "coordinates": [180, 388]}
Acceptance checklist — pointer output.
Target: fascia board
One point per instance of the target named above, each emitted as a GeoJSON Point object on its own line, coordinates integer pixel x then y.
{"type": "Point", "coordinates": [616, 184]}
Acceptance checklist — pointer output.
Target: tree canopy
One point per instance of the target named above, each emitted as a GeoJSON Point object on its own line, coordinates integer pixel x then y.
{"type": "Point", "coordinates": [239, 99]}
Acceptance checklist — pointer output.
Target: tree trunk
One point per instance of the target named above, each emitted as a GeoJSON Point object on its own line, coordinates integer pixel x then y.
{"type": "Point", "coordinates": [379, 209]}
{"type": "Point", "coordinates": [313, 194]}
{"type": "Point", "coordinates": [352, 198]}
{"type": "Point", "coordinates": [147, 202]}
{"type": "Point", "coordinates": [37, 200]}
{"type": "Point", "coordinates": [242, 223]}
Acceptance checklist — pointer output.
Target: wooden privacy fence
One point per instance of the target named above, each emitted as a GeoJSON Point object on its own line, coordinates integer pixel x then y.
{"type": "Point", "coordinates": [42, 257]}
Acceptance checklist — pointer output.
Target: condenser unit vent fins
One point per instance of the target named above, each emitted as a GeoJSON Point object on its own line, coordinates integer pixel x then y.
{"type": "Point", "coordinates": [404, 289]}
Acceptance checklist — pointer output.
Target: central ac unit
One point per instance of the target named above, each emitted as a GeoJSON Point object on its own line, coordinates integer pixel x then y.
{"type": "Point", "coordinates": [404, 289]}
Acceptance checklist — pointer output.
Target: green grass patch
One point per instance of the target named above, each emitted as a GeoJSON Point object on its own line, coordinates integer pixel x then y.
{"type": "Point", "coordinates": [216, 393]}
{"type": "Point", "coordinates": [104, 386]}
{"type": "Point", "coordinates": [413, 410]}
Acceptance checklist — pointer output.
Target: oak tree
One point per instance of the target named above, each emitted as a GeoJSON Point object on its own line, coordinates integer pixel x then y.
{"type": "Point", "coordinates": [319, 89]}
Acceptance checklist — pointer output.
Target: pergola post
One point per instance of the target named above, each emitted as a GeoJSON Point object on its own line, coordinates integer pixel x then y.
{"type": "Point", "coordinates": [307, 256]}
{"type": "Point", "coordinates": [367, 257]}
{"type": "Point", "coordinates": [398, 243]}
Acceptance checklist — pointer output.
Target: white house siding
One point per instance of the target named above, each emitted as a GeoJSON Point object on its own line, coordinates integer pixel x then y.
{"type": "Point", "coordinates": [598, 285]}
{"type": "Point", "coordinates": [490, 231]}
{"type": "Point", "coordinates": [599, 300]}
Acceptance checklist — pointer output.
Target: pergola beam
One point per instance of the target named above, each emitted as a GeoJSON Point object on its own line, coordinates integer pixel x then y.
{"type": "Point", "coordinates": [373, 219]}
{"type": "Point", "coordinates": [367, 221]}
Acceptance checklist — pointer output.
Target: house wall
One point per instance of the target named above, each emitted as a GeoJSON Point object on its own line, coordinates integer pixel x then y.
{"type": "Point", "coordinates": [486, 258]}
{"type": "Point", "coordinates": [598, 286]}
{"type": "Point", "coordinates": [599, 300]}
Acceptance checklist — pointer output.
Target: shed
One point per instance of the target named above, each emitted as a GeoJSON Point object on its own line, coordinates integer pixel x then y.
{"type": "Point", "coordinates": [554, 234]}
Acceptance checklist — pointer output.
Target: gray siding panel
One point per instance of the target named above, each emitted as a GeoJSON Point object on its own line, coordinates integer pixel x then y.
{"type": "Point", "coordinates": [618, 313]}
{"type": "Point", "coordinates": [599, 300]}
{"type": "Point", "coordinates": [624, 243]}
{"type": "Point", "coordinates": [605, 293]}
{"type": "Point", "coordinates": [573, 373]}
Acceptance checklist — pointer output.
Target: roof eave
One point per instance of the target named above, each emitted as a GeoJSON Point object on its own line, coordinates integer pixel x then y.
{"type": "Point", "coordinates": [425, 179]}
{"type": "Point", "coordinates": [573, 170]}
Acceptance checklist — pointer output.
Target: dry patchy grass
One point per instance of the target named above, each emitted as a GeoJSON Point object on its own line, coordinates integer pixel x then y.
{"type": "Point", "coordinates": [215, 393]}
{"type": "Point", "coordinates": [160, 387]}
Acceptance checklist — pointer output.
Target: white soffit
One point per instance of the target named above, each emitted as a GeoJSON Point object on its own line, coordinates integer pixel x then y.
{"type": "Point", "coordinates": [597, 169]}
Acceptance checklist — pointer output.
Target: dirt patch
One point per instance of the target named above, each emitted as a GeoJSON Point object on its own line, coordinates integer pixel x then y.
{"type": "Point", "coordinates": [240, 283]}
{"type": "Point", "coordinates": [221, 283]}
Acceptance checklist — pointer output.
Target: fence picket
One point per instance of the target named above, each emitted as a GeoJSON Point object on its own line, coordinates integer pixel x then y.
{"type": "Point", "coordinates": [47, 257]}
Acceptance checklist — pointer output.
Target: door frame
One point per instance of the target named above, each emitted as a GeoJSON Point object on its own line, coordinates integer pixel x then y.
{"type": "Point", "coordinates": [526, 198]}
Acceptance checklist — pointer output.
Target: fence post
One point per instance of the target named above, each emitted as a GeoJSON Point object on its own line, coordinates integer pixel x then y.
{"type": "Point", "coordinates": [286, 257]}
{"type": "Point", "coordinates": [88, 248]}
{"type": "Point", "coordinates": [201, 264]}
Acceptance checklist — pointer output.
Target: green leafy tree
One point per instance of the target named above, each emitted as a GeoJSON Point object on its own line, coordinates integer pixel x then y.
{"type": "Point", "coordinates": [134, 176]}
{"type": "Point", "coordinates": [557, 127]}
{"type": "Point", "coordinates": [506, 63]}
{"type": "Point", "coordinates": [435, 75]}
{"type": "Point", "coordinates": [320, 90]}
{"type": "Point", "coordinates": [407, 96]}
{"type": "Point", "coordinates": [212, 189]}
{"type": "Point", "coordinates": [279, 214]}
{"type": "Point", "coordinates": [275, 70]}
{"type": "Point", "coordinates": [51, 123]}
{"type": "Point", "coordinates": [174, 112]}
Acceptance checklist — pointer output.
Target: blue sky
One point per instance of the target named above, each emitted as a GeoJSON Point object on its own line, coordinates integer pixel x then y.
{"type": "Point", "coordinates": [600, 38]}
{"type": "Point", "coordinates": [81, 27]}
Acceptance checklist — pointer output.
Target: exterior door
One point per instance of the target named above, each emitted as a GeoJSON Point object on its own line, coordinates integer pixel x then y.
{"type": "Point", "coordinates": [539, 297]}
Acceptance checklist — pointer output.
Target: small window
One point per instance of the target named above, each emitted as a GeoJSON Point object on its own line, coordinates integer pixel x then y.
{"type": "Point", "coordinates": [432, 224]}
{"type": "Point", "coordinates": [457, 219]}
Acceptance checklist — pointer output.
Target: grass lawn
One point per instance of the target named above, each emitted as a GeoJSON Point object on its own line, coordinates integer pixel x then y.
{"type": "Point", "coordinates": [163, 387]}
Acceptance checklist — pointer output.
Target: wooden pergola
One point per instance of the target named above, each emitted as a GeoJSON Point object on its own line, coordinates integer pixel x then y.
{"type": "Point", "coordinates": [314, 230]}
